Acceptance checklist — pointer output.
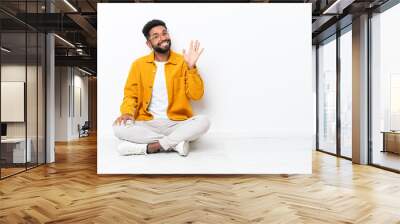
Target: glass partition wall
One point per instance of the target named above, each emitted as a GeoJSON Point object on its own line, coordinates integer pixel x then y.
{"type": "Point", "coordinates": [22, 77]}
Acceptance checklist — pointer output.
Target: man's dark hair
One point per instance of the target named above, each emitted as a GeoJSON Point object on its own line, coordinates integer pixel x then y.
{"type": "Point", "coordinates": [149, 25]}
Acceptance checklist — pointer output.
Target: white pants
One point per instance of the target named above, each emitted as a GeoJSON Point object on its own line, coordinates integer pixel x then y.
{"type": "Point", "coordinates": [167, 132]}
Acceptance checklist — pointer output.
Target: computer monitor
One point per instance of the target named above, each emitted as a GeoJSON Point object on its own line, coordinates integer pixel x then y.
{"type": "Point", "coordinates": [3, 129]}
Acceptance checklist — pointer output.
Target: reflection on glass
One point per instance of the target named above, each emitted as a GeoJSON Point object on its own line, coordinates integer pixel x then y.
{"type": "Point", "coordinates": [327, 96]}
{"type": "Point", "coordinates": [395, 101]}
{"type": "Point", "coordinates": [386, 89]}
{"type": "Point", "coordinates": [346, 93]}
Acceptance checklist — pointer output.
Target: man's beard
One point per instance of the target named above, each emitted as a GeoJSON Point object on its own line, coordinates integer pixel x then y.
{"type": "Point", "coordinates": [161, 50]}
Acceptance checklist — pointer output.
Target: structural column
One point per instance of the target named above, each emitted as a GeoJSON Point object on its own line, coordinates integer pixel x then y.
{"type": "Point", "coordinates": [360, 90]}
{"type": "Point", "coordinates": [50, 92]}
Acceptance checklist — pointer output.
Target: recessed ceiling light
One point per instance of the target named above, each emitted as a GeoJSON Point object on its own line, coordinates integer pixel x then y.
{"type": "Point", "coordinates": [64, 40]}
{"type": "Point", "coordinates": [70, 5]}
{"type": "Point", "coordinates": [5, 50]}
{"type": "Point", "coordinates": [337, 7]}
{"type": "Point", "coordinates": [84, 71]}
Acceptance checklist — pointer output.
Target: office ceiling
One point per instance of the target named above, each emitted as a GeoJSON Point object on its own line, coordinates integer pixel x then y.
{"type": "Point", "coordinates": [77, 22]}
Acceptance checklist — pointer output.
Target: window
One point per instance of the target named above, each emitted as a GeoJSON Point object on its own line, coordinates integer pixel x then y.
{"type": "Point", "coordinates": [346, 93]}
{"type": "Point", "coordinates": [385, 89]}
{"type": "Point", "coordinates": [327, 96]}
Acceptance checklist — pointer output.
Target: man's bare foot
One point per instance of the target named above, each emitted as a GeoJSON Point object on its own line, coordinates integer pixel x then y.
{"type": "Point", "coordinates": [153, 147]}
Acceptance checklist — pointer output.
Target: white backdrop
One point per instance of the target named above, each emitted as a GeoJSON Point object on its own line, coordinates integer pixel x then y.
{"type": "Point", "coordinates": [256, 65]}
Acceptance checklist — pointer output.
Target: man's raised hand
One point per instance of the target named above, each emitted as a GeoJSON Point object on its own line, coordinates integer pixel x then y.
{"type": "Point", "coordinates": [193, 54]}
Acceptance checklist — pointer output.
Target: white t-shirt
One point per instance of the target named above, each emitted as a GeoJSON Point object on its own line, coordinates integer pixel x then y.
{"type": "Point", "coordinates": [159, 98]}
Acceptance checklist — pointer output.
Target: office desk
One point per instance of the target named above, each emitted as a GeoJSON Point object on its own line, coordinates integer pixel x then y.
{"type": "Point", "coordinates": [391, 141]}
{"type": "Point", "coordinates": [13, 150]}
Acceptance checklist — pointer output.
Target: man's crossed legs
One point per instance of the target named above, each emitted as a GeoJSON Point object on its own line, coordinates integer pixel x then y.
{"type": "Point", "coordinates": [143, 137]}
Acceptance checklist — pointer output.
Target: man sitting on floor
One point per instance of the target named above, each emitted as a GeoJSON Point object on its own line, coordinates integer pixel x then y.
{"type": "Point", "coordinates": [156, 114]}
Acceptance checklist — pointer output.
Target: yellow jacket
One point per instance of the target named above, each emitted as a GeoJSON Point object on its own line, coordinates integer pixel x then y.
{"type": "Point", "coordinates": [183, 84]}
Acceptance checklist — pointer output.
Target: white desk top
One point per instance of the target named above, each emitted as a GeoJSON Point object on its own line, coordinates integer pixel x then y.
{"type": "Point", "coordinates": [13, 140]}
